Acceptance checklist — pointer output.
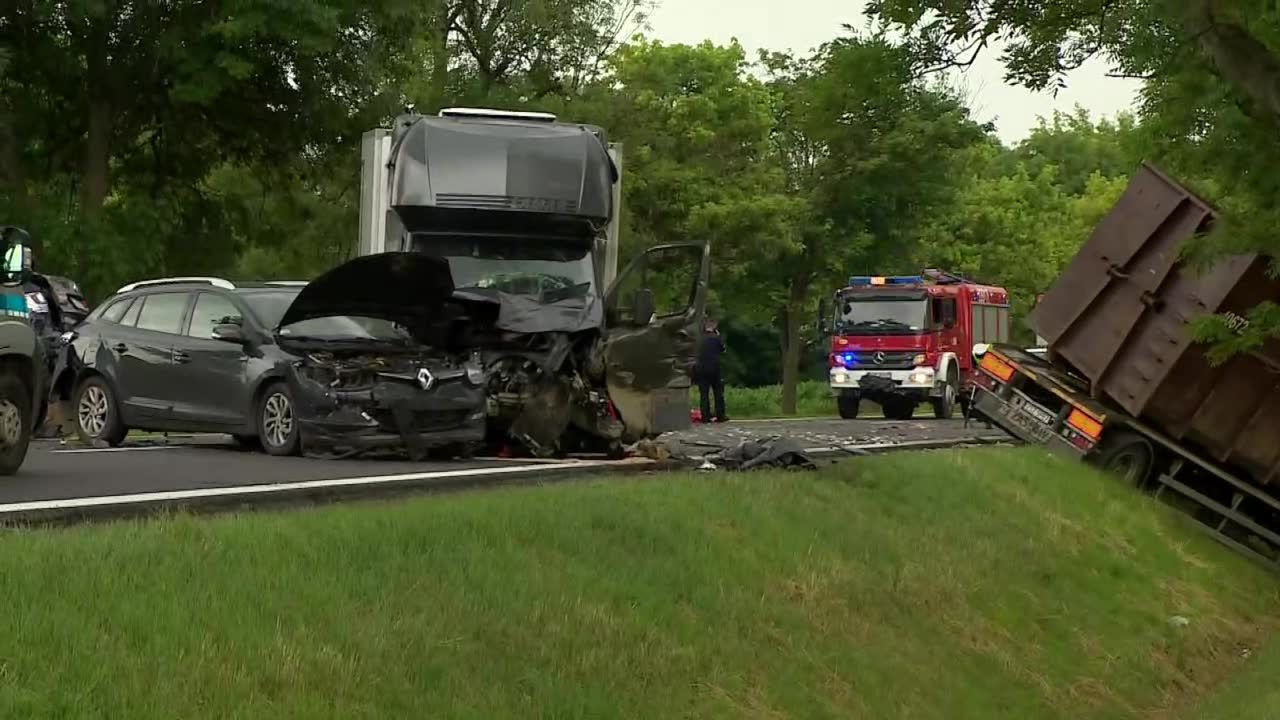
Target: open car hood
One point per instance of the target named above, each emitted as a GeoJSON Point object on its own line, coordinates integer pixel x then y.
{"type": "Point", "coordinates": [406, 288]}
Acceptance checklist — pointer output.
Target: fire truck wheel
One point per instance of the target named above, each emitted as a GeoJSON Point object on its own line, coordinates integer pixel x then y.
{"type": "Point", "coordinates": [847, 403]}
{"type": "Point", "coordinates": [899, 408]}
{"type": "Point", "coordinates": [944, 407]}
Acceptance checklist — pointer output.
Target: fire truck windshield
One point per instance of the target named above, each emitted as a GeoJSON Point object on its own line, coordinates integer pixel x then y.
{"type": "Point", "coordinates": [881, 316]}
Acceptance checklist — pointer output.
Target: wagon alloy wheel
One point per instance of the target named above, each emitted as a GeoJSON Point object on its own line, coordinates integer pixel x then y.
{"type": "Point", "coordinates": [277, 423]}
{"type": "Point", "coordinates": [97, 417]}
{"type": "Point", "coordinates": [93, 411]}
{"type": "Point", "coordinates": [277, 419]}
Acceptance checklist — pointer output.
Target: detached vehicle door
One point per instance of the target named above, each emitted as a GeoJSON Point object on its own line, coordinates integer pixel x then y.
{"type": "Point", "coordinates": [653, 319]}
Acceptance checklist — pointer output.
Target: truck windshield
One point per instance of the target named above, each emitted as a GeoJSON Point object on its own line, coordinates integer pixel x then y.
{"type": "Point", "coordinates": [881, 316]}
{"type": "Point", "coordinates": [547, 272]}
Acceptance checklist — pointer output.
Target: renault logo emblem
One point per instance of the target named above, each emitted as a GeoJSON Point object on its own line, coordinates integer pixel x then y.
{"type": "Point", "coordinates": [425, 378]}
{"type": "Point", "coordinates": [879, 358]}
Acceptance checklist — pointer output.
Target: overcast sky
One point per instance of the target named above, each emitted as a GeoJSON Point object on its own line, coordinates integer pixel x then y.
{"type": "Point", "coordinates": [800, 25]}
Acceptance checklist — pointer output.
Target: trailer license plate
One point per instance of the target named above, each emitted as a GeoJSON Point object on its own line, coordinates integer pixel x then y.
{"type": "Point", "coordinates": [1033, 410]}
{"type": "Point", "coordinates": [1020, 420]}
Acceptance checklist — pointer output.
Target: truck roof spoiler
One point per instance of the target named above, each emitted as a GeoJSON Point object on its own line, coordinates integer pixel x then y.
{"type": "Point", "coordinates": [491, 114]}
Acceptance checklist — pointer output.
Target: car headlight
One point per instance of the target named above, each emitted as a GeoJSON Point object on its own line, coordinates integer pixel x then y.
{"type": "Point", "coordinates": [36, 302]}
{"type": "Point", "coordinates": [918, 360]}
{"type": "Point", "coordinates": [841, 378]}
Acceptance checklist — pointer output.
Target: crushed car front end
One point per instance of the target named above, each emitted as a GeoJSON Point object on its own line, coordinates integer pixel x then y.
{"type": "Point", "coordinates": [356, 401]}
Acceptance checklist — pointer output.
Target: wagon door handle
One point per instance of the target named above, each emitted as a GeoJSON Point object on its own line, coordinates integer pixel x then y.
{"type": "Point", "coordinates": [181, 357]}
{"type": "Point", "coordinates": [120, 348]}
{"type": "Point", "coordinates": [1115, 271]}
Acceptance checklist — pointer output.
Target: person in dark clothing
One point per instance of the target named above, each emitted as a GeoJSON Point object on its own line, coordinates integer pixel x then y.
{"type": "Point", "coordinates": [706, 373]}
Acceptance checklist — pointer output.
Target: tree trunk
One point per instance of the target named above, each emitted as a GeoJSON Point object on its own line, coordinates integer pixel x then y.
{"type": "Point", "coordinates": [95, 171]}
{"type": "Point", "coordinates": [793, 343]}
{"type": "Point", "coordinates": [13, 179]}
{"type": "Point", "coordinates": [439, 82]}
{"type": "Point", "coordinates": [1239, 57]}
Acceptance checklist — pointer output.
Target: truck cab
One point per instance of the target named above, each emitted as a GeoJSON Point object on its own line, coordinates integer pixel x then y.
{"type": "Point", "coordinates": [523, 208]}
{"type": "Point", "coordinates": [900, 341]}
{"type": "Point", "coordinates": [22, 373]}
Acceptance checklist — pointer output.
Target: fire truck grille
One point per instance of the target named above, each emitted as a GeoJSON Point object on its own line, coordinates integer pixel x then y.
{"type": "Point", "coordinates": [872, 360]}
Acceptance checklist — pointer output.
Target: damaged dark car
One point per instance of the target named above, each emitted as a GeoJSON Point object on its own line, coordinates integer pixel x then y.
{"type": "Point", "coordinates": [495, 343]}
{"type": "Point", "coordinates": [379, 366]}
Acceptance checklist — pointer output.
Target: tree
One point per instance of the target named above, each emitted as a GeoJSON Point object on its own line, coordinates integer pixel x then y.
{"type": "Point", "coordinates": [1211, 102]}
{"type": "Point", "coordinates": [1015, 229]}
{"type": "Point", "coordinates": [868, 151]}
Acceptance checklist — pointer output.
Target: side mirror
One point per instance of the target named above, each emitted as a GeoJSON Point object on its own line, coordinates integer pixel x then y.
{"type": "Point", "coordinates": [228, 332]}
{"type": "Point", "coordinates": [17, 260]}
{"type": "Point", "coordinates": [643, 306]}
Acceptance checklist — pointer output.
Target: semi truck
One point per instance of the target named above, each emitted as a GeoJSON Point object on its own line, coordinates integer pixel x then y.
{"type": "Point", "coordinates": [900, 341]}
{"type": "Point", "coordinates": [1125, 385]}
{"type": "Point", "coordinates": [525, 210]}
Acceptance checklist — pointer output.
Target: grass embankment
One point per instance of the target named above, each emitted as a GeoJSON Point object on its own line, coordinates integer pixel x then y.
{"type": "Point", "coordinates": [989, 583]}
{"type": "Point", "coordinates": [813, 399]}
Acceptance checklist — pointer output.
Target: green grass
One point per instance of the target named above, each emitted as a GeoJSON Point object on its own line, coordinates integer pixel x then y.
{"type": "Point", "coordinates": [1252, 694]}
{"type": "Point", "coordinates": [813, 399]}
{"type": "Point", "coordinates": [980, 584]}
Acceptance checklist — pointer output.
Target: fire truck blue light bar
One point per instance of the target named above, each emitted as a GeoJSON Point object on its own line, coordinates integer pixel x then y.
{"type": "Point", "coordinates": [863, 280]}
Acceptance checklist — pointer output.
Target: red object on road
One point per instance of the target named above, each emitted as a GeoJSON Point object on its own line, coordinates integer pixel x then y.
{"type": "Point", "coordinates": [695, 416]}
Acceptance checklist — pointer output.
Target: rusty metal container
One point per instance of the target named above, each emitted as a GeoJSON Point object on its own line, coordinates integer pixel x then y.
{"type": "Point", "coordinates": [1120, 315]}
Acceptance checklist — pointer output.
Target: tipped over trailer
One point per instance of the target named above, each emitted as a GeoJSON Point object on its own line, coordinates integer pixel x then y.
{"type": "Point", "coordinates": [1125, 386]}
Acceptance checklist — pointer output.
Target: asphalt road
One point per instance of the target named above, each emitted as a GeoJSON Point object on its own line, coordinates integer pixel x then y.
{"type": "Point", "coordinates": [63, 479]}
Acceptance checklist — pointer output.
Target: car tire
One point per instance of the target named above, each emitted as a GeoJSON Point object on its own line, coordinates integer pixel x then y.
{"type": "Point", "coordinates": [15, 423]}
{"type": "Point", "coordinates": [98, 414]}
{"type": "Point", "coordinates": [944, 408]}
{"type": "Point", "coordinates": [277, 424]}
{"type": "Point", "coordinates": [847, 403]}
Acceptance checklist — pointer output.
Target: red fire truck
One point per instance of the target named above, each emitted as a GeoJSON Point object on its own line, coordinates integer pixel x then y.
{"type": "Point", "coordinates": [899, 341]}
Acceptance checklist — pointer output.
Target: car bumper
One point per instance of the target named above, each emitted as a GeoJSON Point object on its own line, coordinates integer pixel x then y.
{"type": "Point", "coordinates": [922, 379]}
{"type": "Point", "coordinates": [389, 415]}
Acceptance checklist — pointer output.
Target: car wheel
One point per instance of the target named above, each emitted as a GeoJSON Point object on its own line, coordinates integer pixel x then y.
{"type": "Point", "coordinates": [277, 425]}
{"type": "Point", "coordinates": [15, 423]}
{"type": "Point", "coordinates": [98, 414]}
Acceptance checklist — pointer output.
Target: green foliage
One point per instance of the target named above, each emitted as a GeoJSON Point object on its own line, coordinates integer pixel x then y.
{"type": "Point", "coordinates": [1210, 108]}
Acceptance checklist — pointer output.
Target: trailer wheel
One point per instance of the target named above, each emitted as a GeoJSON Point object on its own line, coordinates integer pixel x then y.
{"type": "Point", "coordinates": [847, 403]}
{"type": "Point", "coordinates": [1130, 457]}
{"type": "Point", "coordinates": [945, 407]}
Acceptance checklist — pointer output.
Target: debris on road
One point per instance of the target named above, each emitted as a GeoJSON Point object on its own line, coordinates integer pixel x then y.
{"type": "Point", "coordinates": [776, 452]}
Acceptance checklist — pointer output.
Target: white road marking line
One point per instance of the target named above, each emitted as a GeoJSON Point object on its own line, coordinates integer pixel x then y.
{"type": "Point", "coordinates": [86, 502]}
{"type": "Point", "coordinates": [119, 449]}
